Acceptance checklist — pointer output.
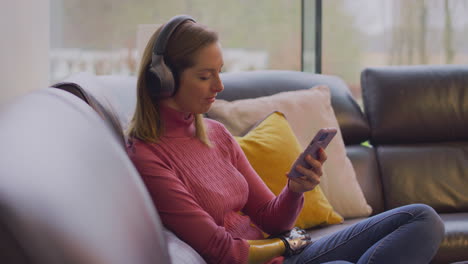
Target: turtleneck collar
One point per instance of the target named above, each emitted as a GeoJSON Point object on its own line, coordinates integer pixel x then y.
{"type": "Point", "coordinates": [177, 124]}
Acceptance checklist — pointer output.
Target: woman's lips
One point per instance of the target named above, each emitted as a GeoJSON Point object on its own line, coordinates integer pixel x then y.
{"type": "Point", "coordinates": [211, 99]}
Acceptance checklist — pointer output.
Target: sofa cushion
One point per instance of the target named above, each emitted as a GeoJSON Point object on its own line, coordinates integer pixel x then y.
{"type": "Point", "coordinates": [181, 252]}
{"type": "Point", "coordinates": [364, 161]}
{"type": "Point", "coordinates": [307, 111]}
{"type": "Point", "coordinates": [68, 192]}
{"type": "Point", "coordinates": [411, 104]}
{"type": "Point", "coordinates": [431, 173]}
{"type": "Point", "coordinates": [271, 148]}
{"type": "Point", "coordinates": [453, 247]}
{"type": "Point", "coordinates": [253, 84]}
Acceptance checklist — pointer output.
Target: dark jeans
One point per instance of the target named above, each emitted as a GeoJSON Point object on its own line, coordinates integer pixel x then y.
{"type": "Point", "coordinates": [408, 234]}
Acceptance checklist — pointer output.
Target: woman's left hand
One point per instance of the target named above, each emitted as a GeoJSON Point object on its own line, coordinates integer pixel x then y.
{"type": "Point", "coordinates": [311, 177]}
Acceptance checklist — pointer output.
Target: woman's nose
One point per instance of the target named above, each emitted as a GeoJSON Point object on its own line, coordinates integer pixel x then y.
{"type": "Point", "coordinates": [218, 85]}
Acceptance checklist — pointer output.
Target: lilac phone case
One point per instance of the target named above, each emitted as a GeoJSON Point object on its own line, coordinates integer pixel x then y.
{"type": "Point", "coordinates": [321, 140]}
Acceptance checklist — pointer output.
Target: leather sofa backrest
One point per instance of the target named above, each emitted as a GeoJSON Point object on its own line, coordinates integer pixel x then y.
{"type": "Point", "coordinates": [68, 192]}
{"type": "Point", "coordinates": [412, 104]}
{"type": "Point", "coordinates": [419, 128]}
{"type": "Point", "coordinates": [241, 85]}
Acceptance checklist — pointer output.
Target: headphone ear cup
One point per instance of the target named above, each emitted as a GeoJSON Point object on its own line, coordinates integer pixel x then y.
{"type": "Point", "coordinates": [160, 79]}
{"type": "Point", "coordinates": [153, 84]}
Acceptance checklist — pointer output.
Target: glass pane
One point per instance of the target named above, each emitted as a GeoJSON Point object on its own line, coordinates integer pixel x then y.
{"type": "Point", "coordinates": [100, 36]}
{"type": "Point", "coordinates": [365, 33]}
{"type": "Point", "coordinates": [308, 43]}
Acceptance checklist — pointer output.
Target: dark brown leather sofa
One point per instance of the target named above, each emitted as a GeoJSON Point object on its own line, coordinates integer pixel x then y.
{"type": "Point", "coordinates": [416, 118]}
{"type": "Point", "coordinates": [68, 194]}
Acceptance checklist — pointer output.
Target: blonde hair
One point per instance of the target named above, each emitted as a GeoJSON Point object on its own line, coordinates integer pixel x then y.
{"type": "Point", "coordinates": [182, 46]}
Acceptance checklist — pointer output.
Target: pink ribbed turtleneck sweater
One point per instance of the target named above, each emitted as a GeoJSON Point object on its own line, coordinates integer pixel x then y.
{"type": "Point", "coordinates": [200, 190]}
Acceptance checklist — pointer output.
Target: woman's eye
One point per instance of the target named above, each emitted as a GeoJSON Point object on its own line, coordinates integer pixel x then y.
{"type": "Point", "coordinates": [204, 78]}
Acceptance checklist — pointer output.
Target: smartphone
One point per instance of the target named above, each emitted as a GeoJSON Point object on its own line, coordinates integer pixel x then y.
{"type": "Point", "coordinates": [321, 140]}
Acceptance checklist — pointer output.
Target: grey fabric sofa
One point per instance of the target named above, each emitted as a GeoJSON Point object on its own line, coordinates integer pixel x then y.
{"type": "Point", "coordinates": [68, 193]}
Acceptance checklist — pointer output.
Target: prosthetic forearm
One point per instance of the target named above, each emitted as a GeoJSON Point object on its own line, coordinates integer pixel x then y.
{"type": "Point", "coordinates": [261, 251]}
{"type": "Point", "coordinates": [288, 244]}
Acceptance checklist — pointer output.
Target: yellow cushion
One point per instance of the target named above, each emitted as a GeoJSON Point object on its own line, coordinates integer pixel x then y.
{"type": "Point", "coordinates": [271, 148]}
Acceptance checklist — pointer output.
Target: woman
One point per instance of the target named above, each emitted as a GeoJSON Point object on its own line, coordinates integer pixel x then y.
{"type": "Point", "coordinates": [207, 193]}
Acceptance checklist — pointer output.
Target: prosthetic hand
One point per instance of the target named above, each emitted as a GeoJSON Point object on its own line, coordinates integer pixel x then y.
{"type": "Point", "coordinates": [295, 241]}
{"type": "Point", "coordinates": [287, 244]}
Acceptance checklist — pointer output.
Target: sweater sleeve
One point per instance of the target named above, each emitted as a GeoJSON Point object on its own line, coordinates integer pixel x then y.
{"type": "Point", "coordinates": [272, 214]}
{"type": "Point", "coordinates": [180, 213]}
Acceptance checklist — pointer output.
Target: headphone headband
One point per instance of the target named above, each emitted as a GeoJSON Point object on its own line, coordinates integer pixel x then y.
{"type": "Point", "coordinates": [166, 32]}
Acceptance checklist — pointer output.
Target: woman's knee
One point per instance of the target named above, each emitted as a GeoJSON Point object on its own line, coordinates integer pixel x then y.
{"type": "Point", "coordinates": [431, 218]}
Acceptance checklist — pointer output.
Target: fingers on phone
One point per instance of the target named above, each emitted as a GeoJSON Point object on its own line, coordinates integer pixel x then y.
{"type": "Point", "coordinates": [312, 172]}
{"type": "Point", "coordinates": [315, 164]}
{"type": "Point", "coordinates": [308, 178]}
{"type": "Point", "coordinates": [322, 155]}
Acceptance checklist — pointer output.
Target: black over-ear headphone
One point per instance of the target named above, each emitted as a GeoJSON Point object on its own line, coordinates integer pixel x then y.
{"type": "Point", "coordinates": [159, 77]}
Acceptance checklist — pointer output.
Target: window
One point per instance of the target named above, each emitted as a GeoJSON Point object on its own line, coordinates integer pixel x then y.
{"type": "Point", "coordinates": [364, 33]}
{"type": "Point", "coordinates": [100, 36]}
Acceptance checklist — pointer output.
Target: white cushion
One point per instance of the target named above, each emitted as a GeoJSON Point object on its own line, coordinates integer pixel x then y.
{"type": "Point", "coordinates": [180, 252]}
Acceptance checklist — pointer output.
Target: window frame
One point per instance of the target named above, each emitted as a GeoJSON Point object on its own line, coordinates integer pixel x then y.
{"type": "Point", "coordinates": [317, 37]}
